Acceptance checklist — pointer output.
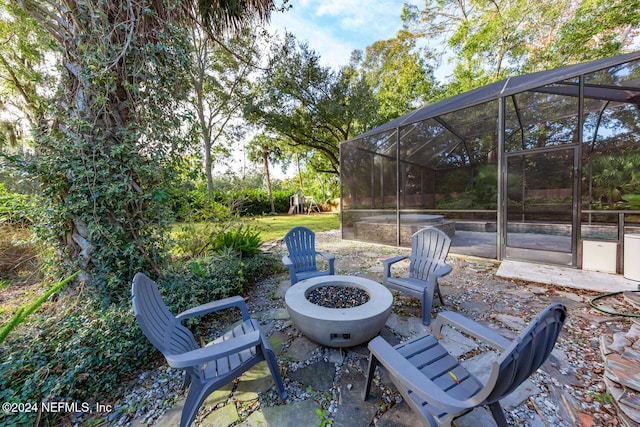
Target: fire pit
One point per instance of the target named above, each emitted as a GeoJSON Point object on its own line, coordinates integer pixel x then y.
{"type": "Point", "coordinates": [348, 310]}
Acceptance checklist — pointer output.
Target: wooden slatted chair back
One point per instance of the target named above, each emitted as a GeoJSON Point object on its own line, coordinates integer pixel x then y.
{"type": "Point", "coordinates": [301, 244]}
{"type": "Point", "coordinates": [429, 249]}
{"type": "Point", "coordinates": [529, 351]}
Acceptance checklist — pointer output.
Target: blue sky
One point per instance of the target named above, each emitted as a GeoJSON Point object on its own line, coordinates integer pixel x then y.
{"type": "Point", "coordinates": [334, 28]}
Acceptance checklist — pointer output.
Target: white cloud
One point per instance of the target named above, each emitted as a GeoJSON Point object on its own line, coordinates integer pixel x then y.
{"type": "Point", "coordinates": [334, 28]}
{"type": "Point", "coordinates": [336, 7]}
{"type": "Point", "coordinates": [333, 52]}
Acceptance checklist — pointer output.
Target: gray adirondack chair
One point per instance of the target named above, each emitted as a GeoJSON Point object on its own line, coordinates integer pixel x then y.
{"type": "Point", "coordinates": [429, 250]}
{"type": "Point", "coordinates": [206, 368]}
{"type": "Point", "coordinates": [301, 260]}
{"type": "Point", "coordinates": [439, 389]}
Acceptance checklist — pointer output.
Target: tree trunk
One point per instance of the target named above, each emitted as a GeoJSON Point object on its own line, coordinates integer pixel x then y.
{"type": "Point", "coordinates": [198, 81]}
{"type": "Point", "coordinates": [208, 165]}
{"type": "Point", "coordinates": [265, 160]}
{"type": "Point", "coordinates": [299, 171]}
{"type": "Point", "coordinates": [104, 150]}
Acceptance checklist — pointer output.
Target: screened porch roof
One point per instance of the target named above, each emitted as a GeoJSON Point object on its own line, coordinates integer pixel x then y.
{"type": "Point", "coordinates": [615, 85]}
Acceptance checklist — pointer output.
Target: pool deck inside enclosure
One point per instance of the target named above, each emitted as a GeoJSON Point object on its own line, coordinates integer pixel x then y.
{"type": "Point", "coordinates": [479, 238]}
{"type": "Point", "coordinates": [384, 226]}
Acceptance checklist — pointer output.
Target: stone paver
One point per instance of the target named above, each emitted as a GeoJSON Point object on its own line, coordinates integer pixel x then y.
{"type": "Point", "coordinates": [318, 376]}
{"type": "Point", "coordinates": [296, 414]}
{"type": "Point", "coordinates": [456, 343]}
{"type": "Point", "coordinates": [565, 276]}
{"type": "Point", "coordinates": [316, 367]}
{"type": "Point", "coordinates": [352, 410]}
{"type": "Point", "coordinates": [281, 314]}
{"type": "Point", "coordinates": [219, 396]}
{"type": "Point", "coordinates": [223, 417]}
{"type": "Point", "coordinates": [171, 418]}
{"type": "Point", "coordinates": [400, 415]}
{"type": "Point", "coordinates": [301, 349]}
{"type": "Point", "coordinates": [511, 321]}
{"type": "Point", "coordinates": [282, 289]}
{"type": "Point", "coordinates": [407, 326]}
{"type": "Point", "coordinates": [276, 341]}
{"type": "Point", "coordinates": [256, 380]}
{"type": "Point", "coordinates": [478, 417]}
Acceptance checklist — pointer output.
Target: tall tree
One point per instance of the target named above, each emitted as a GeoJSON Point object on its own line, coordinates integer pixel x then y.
{"type": "Point", "coordinates": [489, 39]}
{"type": "Point", "coordinates": [107, 150]}
{"type": "Point", "coordinates": [265, 149]}
{"type": "Point", "coordinates": [220, 78]}
{"type": "Point", "coordinates": [309, 105]}
{"type": "Point", "coordinates": [23, 46]}
{"type": "Point", "coordinates": [492, 39]}
{"type": "Point", "coordinates": [590, 29]}
{"type": "Point", "coordinates": [398, 73]}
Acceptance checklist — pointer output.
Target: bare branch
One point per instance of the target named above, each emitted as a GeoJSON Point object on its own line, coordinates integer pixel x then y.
{"type": "Point", "coordinates": [16, 82]}
{"type": "Point", "coordinates": [132, 27]}
{"type": "Point", "coordinates": [55, 24]}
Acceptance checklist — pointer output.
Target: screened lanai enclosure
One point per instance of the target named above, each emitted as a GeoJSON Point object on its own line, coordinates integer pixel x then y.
{"type": "Point", "coordinates": [539, 167]}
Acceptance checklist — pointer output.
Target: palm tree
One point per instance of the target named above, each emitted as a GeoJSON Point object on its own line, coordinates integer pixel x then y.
{"type": "Point", "coordinates": [265, 148]}
{"type": "Point", "coordinates": [225, 15]}
{"type": "Point", "coordinates": [116, 121]}
{"type": "Point", "coordinates": [615, 176]}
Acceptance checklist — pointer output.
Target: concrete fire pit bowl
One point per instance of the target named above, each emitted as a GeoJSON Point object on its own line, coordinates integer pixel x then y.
{"type": "Point", "coordinates": [339, 327]}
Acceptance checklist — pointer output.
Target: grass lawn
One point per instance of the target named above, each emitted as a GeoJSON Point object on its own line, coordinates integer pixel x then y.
{"type": "Point", "coordinates": [275, 227]}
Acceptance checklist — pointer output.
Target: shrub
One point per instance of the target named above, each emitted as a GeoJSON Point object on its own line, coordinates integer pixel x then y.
{"type": "Point", "coordinates": [17, 209]}
{"type": "Point", "coordinates": [212, 277]}
{"type": "Point", "coordinates": [76, 354]}
{"type": "Point", "coordinates": [191, 239]}
{"type": "Point", "coordinates": [242, 240]}
{"type": "Point", "coordinates": [194, 240]}
{"type": "Point", "coordinates": [196, 204]}
{"type": "Point", "coordinates": [89, 349]}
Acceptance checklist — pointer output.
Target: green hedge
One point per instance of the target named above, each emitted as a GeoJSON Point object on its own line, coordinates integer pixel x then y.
{"type": "Point", "coordinates": [255, 202]}
{"type": "Point", "coordinates": [195, 204]}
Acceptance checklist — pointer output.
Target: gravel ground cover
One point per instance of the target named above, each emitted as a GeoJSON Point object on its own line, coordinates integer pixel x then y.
{"type": "Point", "coordinates": [571, 389]}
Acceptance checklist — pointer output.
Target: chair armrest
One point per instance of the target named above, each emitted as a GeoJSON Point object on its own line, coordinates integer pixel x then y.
{"type": "Point", "coordinates": [413, 379]}
{"type": "Point", "coordinates": [470, 327]}
{"type": "Point", "coordinates": [330, 258]}
{"type": "Point", "coordinates": [387, 265]}
{"type": "Point", "coordinates": [441, 271]}
{"type": "Point", "coordinates": [287, 261]}
{"type": "Point", "coordinates": [214, 351]}
{"type": "Point", "coordinates": [235, 301]}
{"type": "Point", "coordinates": [326, 255]}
